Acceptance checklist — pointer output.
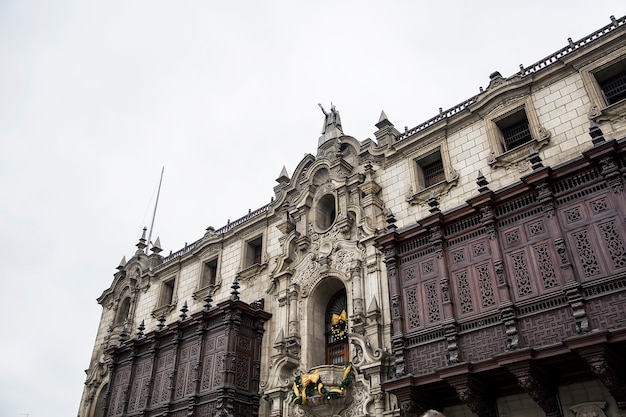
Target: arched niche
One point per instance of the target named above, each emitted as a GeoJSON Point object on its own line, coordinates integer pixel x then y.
{"type": "Point", "coordinates": [316, 319]}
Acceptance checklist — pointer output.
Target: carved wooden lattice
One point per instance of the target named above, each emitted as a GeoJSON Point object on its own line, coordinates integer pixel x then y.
{"type": "Point", "coordinates": [614, 244]}
{"type": "Point", "coordinates": [434, 314]}
{"type": "Point", "coordinates": [482, 343]}
{"type": "Point", "coordinates": [586, 254]}
{"type": "Point", "coordinates": [193, 366]}
{"type": "Point", "coordinates": [413, 308]}
{"type": "Point", "coordinates": [545, 266]}
{"type": "Point", "coordinates": [531, 267]}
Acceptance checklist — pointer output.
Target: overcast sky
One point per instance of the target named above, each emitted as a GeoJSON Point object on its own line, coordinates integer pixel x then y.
{"type": "Point", "coordinates": [95, 97]}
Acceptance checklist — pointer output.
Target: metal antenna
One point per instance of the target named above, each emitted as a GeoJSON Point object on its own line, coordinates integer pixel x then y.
{"type": "Point", "coordinates": [155, 208]}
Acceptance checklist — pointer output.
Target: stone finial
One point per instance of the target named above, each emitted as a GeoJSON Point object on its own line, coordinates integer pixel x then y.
{"type": "Point", "coordinates": [596, 133]}
{"type": "Point", "coordinates": [433, 203]}
{"type": "Point", "coordinates": [122, 264]}
{"type": "Point", "coordinates": [482, 183]}
{"type": "Point", "coordinates": [535, 159]}
{"type": "Point", "coordinates": [123, 335]}
{"type": "Point", "coordinates": [156, 246]}
{"type": "Point", "coordinates": [283, 177]}
{"type": "Point", "coordinates": [208, 299]}
{"type": "Point", "coordinates": [161, 321]}
{"type": "Point", "coordinates": [234, 294]}
{"type": "Point", "coordinates": [383, 121]}
{"type": "Point", "coordinates": [391, 222]}
{"type": "Point", "coordinates": [141, 245]}
{"type": "Point", "coordinates": [183, 311]}
{"type": "Point", "coordinates": [140, 329]}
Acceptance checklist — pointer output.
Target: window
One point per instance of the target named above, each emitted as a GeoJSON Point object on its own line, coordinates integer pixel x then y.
{"type": "Point", "coordinates": [122, 312]}
{"type": "Point", "coordinates": [431, 168]}
{"type": "Point", "coordinates": [209, 273]}
{"type": "Point", "coordinates": [254, 252]}
{"type": "Point", "coordinates": [605, 82]}
{"type": "Point", "coordinates": [431, 172]}
{"type": "Point", "coordinates": [167, 292]}
{"type": "Point", "coordinates": [325, 212]}
{"type": "Point", "coordinates": [337, 329]}
{"type": "Point", "coordinates": [514, 130]}
{"type": "Point", "coordinates": [612, 82]}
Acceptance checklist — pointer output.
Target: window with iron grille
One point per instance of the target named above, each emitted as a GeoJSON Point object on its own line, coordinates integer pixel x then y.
{"type": "Point", "coordinates": [514, 130]}
{"type": "Point", "coordinates": [612, 81]}
{"type": "Point", "coordinates": [432, 170]}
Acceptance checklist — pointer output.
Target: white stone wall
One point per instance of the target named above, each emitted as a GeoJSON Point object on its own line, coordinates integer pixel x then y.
{"type": "Point", "coordinates": [562, 108]}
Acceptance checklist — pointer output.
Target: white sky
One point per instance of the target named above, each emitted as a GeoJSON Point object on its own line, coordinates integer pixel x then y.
{"type": "Point", "coordinates": [95, 97]}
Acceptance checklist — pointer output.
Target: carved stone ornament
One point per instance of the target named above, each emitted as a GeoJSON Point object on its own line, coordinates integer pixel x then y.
{"type": "Point", "coordinates": [365, 354]}
{"type": "Point", "coordinates": [438, 190]}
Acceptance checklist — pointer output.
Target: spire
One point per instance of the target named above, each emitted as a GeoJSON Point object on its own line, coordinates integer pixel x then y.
{"type": "Point", "coordinates": [156, 246]}
{"type": "Point", "coordinates": [383, 121]}
{"type": "Point", "coordinates": [391, 222]}
{"type": "Point", "coordinates": [433, 203]}
{"type": "Point", "coordinates": [482, 182]}
{"type": "Point", "coordinates": [535, 159]}
{"type": "Point", "coordinates": [283, 178]}
{"type": "Point", "coordinates": [596, 133]}
{"type": "Point", "coordinates": [122, 264]}
{"type": "Point", "coordinates": [141, 245]}
{"type": "Point", "coordinates": [386, 134]}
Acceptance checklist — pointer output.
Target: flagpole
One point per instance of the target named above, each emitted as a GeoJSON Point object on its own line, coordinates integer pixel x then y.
{"type": "Point", "coordinates": [156, 203]}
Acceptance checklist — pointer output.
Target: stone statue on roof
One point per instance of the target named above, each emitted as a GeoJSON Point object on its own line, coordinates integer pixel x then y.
{"type": "Point", "coordinates": [331, 119]}
{"type": "Point", "coordinates": [332, 124]}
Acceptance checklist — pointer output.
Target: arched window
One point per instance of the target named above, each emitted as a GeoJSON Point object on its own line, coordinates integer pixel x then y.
{"type": "Point", "coordinates": [337, 329]}
{"type": "Point", "coordinates": [122, 312]}
{"type": "Point", "coordinates": [325, 213]}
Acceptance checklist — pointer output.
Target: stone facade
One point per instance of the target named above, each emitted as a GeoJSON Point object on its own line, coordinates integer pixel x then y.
{"type": "Point", "coordinates": [477, 258]}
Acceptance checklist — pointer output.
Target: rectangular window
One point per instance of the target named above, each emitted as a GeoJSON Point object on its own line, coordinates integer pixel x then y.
{"type": "Point", "coordinates": [337, 354]}
{"type": "Point", "coordinates": [514, 130]}
{"type": "Point", "coordinates": [612, 82]}
{"type": "Point", "coordinates": [254, 251]}
{"type": "Point", "coordinates": [209, 273]}
{"type": "Point", "coordinates": [432, 169]}
{"type": "Point", "coordinates": [167, 292]}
